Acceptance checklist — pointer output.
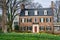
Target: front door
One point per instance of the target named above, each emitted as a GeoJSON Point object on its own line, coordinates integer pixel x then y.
{"type": "Point", "coordinates": [35, 28]}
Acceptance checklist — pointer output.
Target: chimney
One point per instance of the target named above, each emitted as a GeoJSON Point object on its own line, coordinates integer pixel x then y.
{"type": "Point", "coordinates": [22, 6]}
{"type": "Point", "coordinates": [52, 4]}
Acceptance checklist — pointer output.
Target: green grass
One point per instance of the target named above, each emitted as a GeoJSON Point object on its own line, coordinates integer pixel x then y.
{"type": "Point", "coordinates": [28, 36]}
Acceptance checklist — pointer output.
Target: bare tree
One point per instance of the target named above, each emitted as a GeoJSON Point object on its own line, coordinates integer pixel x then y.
{"type": "Point", "coordinates": [12, 7]}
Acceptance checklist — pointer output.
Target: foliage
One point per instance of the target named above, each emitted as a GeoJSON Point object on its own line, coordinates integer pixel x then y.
{"type": "Point", "coordinates": [28, 36]}
{"type": "Point", "coordinates": [16, 27]}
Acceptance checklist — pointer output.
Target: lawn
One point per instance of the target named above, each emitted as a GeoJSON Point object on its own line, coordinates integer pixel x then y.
{"type": "Point", "coordinates": [28, 36]}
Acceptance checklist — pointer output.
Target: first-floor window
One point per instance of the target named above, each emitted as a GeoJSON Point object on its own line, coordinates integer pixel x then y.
{"type": "Point", "coordinates": [29, 28]}
{"type": "Point", "coordinates": [48, 28]}
{"type": "Point", "coordinates": [22, 28]}
{"type": "Point", "coordinates": [42, 28]}
{"type": "Point", "coordinates": [57, 28]}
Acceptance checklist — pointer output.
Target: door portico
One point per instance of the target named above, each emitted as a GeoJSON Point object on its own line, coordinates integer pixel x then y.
{"type": "Point", "coordinates": [35, 28]}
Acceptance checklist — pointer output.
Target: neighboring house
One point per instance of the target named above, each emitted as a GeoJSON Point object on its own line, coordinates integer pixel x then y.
{"type": "Point", "coordinates": [15, 22]}
{"type": "Point", "coordinates": [36, 20]}
{"type": "Point", "coordinates": [57, 16]}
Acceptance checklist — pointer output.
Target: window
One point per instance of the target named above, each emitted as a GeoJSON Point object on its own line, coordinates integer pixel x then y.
{"type": "Point", "coordinates": [48, 28]}
{"type": "Point", "coordinates": [45, 12]}
{"type": "Point", "coordinates": [22, 28]}
{"type": "Point", "coordinates": [29, 20]}
{"type": "Point", "coordinates": [26, 12]}
{"type": "Point", "coordinates": [42, 28]}
{"type": "Point", "coordinates": [29, 28]}
{"type": "Point", "coordinates": [35, 12]}
{"type": "Point", "coordinates": [15, 23]}
{"type": "Point", "coordinates": [20, 19]}
{"type": "Point", "coordinates": [35, 20]}
{"type": "Point", "coordinates": [48, 19]}
{"type": "Point", "coordinates": [42, 20]}
{"type": "Point", "coordinates": [23, 20]}
{"type": "Point", "coordinates": [57, 28]}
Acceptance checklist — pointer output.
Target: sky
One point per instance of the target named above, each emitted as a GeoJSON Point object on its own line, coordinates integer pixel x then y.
{"type": "Point", "coordinates": [44, 3]}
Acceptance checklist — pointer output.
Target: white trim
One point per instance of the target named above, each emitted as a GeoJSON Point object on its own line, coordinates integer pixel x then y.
{"type": "Point", "coordinates": [35, 12]}
{"type": "Point", "coordinates": [42, 19]}
{"type": "Point", "coordinates": [26, 12]}
{"type": "Point", "coordinates": [22, 20]}
{"type": "Point", "coordinates": [45, 12]}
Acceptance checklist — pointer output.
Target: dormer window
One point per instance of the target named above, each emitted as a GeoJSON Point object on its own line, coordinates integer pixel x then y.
{"type": "Point", "coordinates": [35, 12]}
{"type": "Point", "coordinates": [45, 12]}
{"type": "Point", "coordinates": [26, 12]}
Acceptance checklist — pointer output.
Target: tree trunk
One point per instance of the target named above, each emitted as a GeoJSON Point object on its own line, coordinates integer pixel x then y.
{"type": "Point", "coordinates": [4, 27]}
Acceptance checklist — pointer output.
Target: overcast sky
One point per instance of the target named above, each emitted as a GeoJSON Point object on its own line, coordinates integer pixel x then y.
{"type": "Point", "coordinates": [45, 3]}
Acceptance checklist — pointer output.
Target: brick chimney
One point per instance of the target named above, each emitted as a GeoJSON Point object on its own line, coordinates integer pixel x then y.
{"type": "Point", "coordinates": [52, 4]}
{"type": "Point", "coordinates": [22, 6]}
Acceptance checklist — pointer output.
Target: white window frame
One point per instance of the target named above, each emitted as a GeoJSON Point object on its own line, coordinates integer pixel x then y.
{"type": "Point", "coordinates": [42, 19]}
{"type": "Point", "coordinates": [26, 12]}
{"type": "Point", "coordinates": [22, 20]}
{"type": "Point", "coordinates": [45, 12]}
{"type": "Point", "coordinates": [35, 12]}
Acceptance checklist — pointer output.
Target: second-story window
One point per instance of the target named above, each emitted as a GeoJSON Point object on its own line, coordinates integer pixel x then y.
{"type": "Point", "coordinates": [48, 19]}
{"type": "Point", "coordinates": [35, 12]}
{"type": "Point", "coordinates": [22, 20]}
{"type": "Point", "coordinates": [42, 19]}
{"type": "Point", "coordinates": [29, 20]}
{"type": "Point", "coordinates": [26, 12]}
{"type": "Point", "coordinates": [45, 12]}
{"type": "Point", "coordinates": [35, 20]}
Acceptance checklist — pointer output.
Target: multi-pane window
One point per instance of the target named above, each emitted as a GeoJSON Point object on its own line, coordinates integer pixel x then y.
{"type": "Point", "coordinates": [23, 20]}
{"type": "Point", "coordinates": [42, 20]}
{"type": "Point", "coordinates": [22, 28]}
{"type": "Point", "coordinates": [15, 23]}
{"type": "Point", "coordinates": [57, 28]}
{"type": "Point", "coordinates": [45, 12]}
{"type": "Point", "coordinates": [48, 28]}
{"type": "Point", "coordinates": [48, 19]}
{"type": "Point", "coordinates": [29, 28]}
{"type": "Point", "coordinates": [26, 12]}
{"type": "Point", "coordinates": [35, 12]}
{"type": "Point", "coordinates": [41, 28]}
{"type": "Point", "coordinates": [35, 20]}
{"type": "Point", "coordinates": [29, 20]}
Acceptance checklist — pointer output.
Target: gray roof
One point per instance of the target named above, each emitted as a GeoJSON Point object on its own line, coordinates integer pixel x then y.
{"type": "Point", "coordinates": [40, 12]}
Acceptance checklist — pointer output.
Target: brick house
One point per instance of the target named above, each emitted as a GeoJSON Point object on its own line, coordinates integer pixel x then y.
{"type": "Point", "coordinates": [36, 20]}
